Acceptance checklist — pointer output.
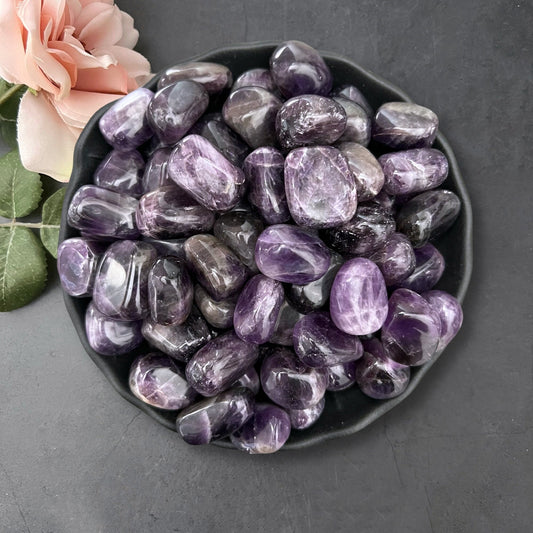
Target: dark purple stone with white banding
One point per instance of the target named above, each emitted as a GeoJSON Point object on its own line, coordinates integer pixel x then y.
{"type": "Point", "coordinates": [358, 123]}
{"type": "Point", "coordinates": [121, 172]}
{"type": "Point", "coordinates": [429, 267]}
{"type": "Point", "coordinates": [288, 316]}
{"type": "Point", "coordinates": [218, 313]}
{"type": "Point", "coordinates": [396, 259]}
{"type": "Point", "coordinates": [256, 77]}
{"type": "Point", "coordinates": [213, 76]}
{"type": "Point", "coordinates": [250, 380]}
{"type": "Point", "coordinates": [304, 418]}
{"type": "Point", "coordinates": [155, 172]}
{"type": "Point", "coordinates": [355, 95]}
{"type": "Point", "coordinates": [342, 376]}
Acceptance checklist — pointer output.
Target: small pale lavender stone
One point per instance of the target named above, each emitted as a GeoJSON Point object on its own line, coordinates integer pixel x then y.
{"type": "Point", "coordinates": [215, 418]}
{"type": "Point", "coordinates": [125, 125]}
{"type": "Point", "coordinates": [320, 187]}
{"type": "Point", "coordinates": [170, 291]}
{"type": "Point", "coordinates": [216, 267]}
{"type": "Point", "coordinates": [264, 173]}
{"type": "Point", "coordinates": [218, 313]}
{"type": "Point", "coordinates": [250, 380]}
{"type": "Point", "coordinates": [429, 266]}
{"type": "Point", "coordinates": [411, 332]}
{"type": "Point", "coordinates": [450, 313]}
{"type": "Point", "coordinates": [358, 300]}
{"type": "Point", "coordinates": [304, 418]}
{"type": "Point", "coordinates": [213, 76]}
{"type": "Point", "coordinates": [291, 255]}
{"type": "Point", "coordinates": [314, 295]}
{"type": "Point", "coordinates": [342, 376]}
{"type": "Point", "coordinates": [175, 108]}
{"type": "Point", "coordinates": [111, 337]}
{"type": "Point", "coordinates": [297, 68]}
{"type": "Point", "coordinates": [318, 342]}
{"type": "Point", "coordinates": [377, 375]}
{"type": "Point", "coordinates": [251, 112]}
{"type": "Point", "coordinates": [256, 77]}
{"type": "Point", "coordinates": [158, 380]}
{"type": "Point", "coordinates": [358, 123]}
{"type": "Point", "coordinates": [239, 232]}
{"type": "Point", "coordinates": [180, 341]}
{"type": "Point", "coordinates": [266, 431]}
{"type": "Point", "coordinates": [121, 172]}
{"type": "Point", "coordinates": [369, 177]}
{"type": "Point", "coordinates": [101, 213]}
{"type": "Point", "coordinates": [310, 119]}
{"type": "Point", "coordinates": [170, 212]}
{"type": "Point", "coordinates": [77, 260]}
{"type": "Point", "coordinates": [355, 95]}
{"type": "Point", "coordinates": [290, 383]}
{"type": "Point", "coordinates": [222, 137]}
{"type": "Point", "coordinates": [365, 233]}
{"type": "Point", "coordinates": [121, 283]}
{"type": "Point", "coordinates": [283, 330]}
{"type": "Point", "coordinates": [412, 171]}
{"type": "Point", "coordinates": [201, 170]}
{"type": "Point", "coordinates": [404, 125]}
{"type": "Point", "coordinates": [220, 363]}
{"type": "Point", "coordinates": [257, 309]}
{"type": "Point", "coordinates": [173, 247]}
{"type": "Point", "coordinates": [155, 172]}
{"type": "Point", "coordinates": [428, 215]}
{"type": "Point", "coordinates": [396, 259]}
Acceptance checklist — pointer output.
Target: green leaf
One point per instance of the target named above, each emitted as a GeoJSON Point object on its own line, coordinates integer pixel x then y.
{"type": "Point", "coordinates": [8, 131]}
{"type": "Point", "coordinates": [20, 189]}
{"type": "Point", "coordinates": [22, 267]}
{"type": "Point", "coordinates": [9, 100]}
{"type": "Point", "coordinates": [51, 220]}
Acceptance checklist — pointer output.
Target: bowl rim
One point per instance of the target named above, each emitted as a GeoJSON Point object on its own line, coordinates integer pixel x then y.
{"type": "Point", "coordinates": [467, 250]}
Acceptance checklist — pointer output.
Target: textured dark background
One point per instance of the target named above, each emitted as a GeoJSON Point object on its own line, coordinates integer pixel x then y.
{"type": "Point", "coordinates": [455, 456]}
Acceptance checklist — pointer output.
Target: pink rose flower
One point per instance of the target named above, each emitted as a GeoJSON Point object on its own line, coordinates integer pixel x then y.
{"type": "Point", "coordinates": [77, 56]}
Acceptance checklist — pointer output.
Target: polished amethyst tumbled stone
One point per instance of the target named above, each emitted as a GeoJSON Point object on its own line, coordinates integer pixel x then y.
{"type": "Point", "coordinates": [358, 299]}
{"type": "Point", "coordinates": [256, 77]}
{"type": "Point", "coordinates": [342, 376]}
{"type": "Point", "coordinates": [121, 283]}
{"type": "Point", "coordinates": [291, 255]}
{"type": "Point", "coordinates": [377, 375]}
{"type": "Point", "coordinates": [170, 212]}
{"type": "Point", "coordinates": [220, 363]}
{"type": "Point", "coordinates": [158, 380]}
{"type": "Point", "coordinates": [125, 125]}
{"type": "Point", "coordinates": [218, 313]}
{"type": "Point", "coordinates": [121, 172]}
{"type": "Point", "coordinates": [155, 172]}
{"type": "Point", "coordinates": [213, 76]}
{"type": "Point", "coordinates": [396, 259]}
{"type": "Point", "coordinates": [297, 68]}
{"type": "Point", "coordinates": [358, 123]}
{"type": "Point", "coordinates": [257, 309]}
{"type": "Point", "coordinates": [304, 418]}
{"type": "Point", "coordinates": [320, 187]}
{"type": "Point", "coordinates": [266, 431]}
{"type": "Point", "coordinates": [318, 342]}
{"type": "Point", "coordinates": [251, 112]}
{"type": "Point", "coordinates": [201, 170]}
{"type": "Point", "coordinates": [250, 380]}
{"type": "Point", "coordinates": [355, 95]}
{"type": "Point", "coordinates": [429, 266]}
{"type": "Point", "coordinates": [214, 418]}
{"type": "Point", "coordinates": [101, 213]}
{"type": "Point", "coordinates": [411, 331]}
{"type": "Point", "coordinates": [173, 247]}
{"type": "Point", "coordinates": [309, 119]}
{"type": "Point", "coordinates": [107, 336]}
{"type": "Point", "coordinates": [288, 316]}
{"type": "Point", "coordinates": [264, 173]}
{"type": "Point", "coordinates": [77, 260]}
{"type": "Point", "coordinates": [289, 382]}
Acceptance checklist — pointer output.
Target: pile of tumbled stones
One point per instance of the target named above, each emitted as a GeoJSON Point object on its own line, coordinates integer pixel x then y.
{"type": "Point", "coordinates": [262, 251]}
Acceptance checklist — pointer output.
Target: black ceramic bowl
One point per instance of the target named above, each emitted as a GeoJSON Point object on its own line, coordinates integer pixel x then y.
{"type": "Point", "coordinates": [348, 411]}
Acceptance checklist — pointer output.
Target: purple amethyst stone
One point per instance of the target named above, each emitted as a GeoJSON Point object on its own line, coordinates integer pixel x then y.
{"type": "Point", "coordinates": [121, 172]}
{"type": "Point", "coordinates": [250, 380]}
{"type": "Point", "coordinates": [256, 77]}
{"type": "Point", "coordinates": [218, 313]}
{"type": "Point", "coordinates": [304, 418]}
{"type": "Point", "coordinates": [214, 77]}
{"type": "Point", "coordinates": [155, 172]}
{"type": "Point", "coordinates": [342, 376]}
{"type": "Point", "coordinates": [358, 124]}
{"type": "Point", "coordinates": [173, 247]}
{"type": "Point", "coordinates": [288, 316]}
{"type": "Point", "coordinates": [429, 266]}
{"type": "Point", "coordinates": [396, 259]}
{"type": "Point", "coordinates": [355, 95]}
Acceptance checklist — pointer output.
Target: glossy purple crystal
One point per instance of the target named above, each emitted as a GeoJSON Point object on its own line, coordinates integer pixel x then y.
{"type": "Point", "coordinates": [121, 283]}
{"type": "Point", "coordinates": [377, 375]}
{"type": "Point", "coordinates": [318, 342]}
{"type": "Point", "coordinates": [288, 316]}
{"type": "Point", "coordinates": [125, 125]}
{"type": "Point", "coordinates": [257, 309]}
{"type": "Point", "coordinates": [411, 332]}
{"type": "Point", "coordinates": [214, 418]}
{"type": "Point", "coordinates": [266, 431]}
{"type": "Point", "coordinates": [396, 259]}
{"type": "Point", "coordinates": [111, 337]}
{"type": "Point", "coordinates": [121, 172]}
{"type": "Point", "coordinates": [201, 170]}
{"type": "Point", "coordinates": [358, 124]}
{"type": "Point", "coordinates": [158, 380]}
{"type": "Point", "coordinates": [358, 299]}
{"type": "Point", "coordinates": [256, 77]}
{"type": "Point", "coordinates": [429, 266]}
{"type": "Point", "coordinates": [218, 313]}
{"type": "Point", "coordinates": [77, 259]}
{"type": "Point", "coordinates": [251, 112]}
{"type": "Point", "coordinates": [309, 119]}
{"type": "Point", "coordinates": [173, 247]}
{"type": "Point", "coordinates": [220, 363]}
{"type": "Point", "coordinates": [155, 172]}
{"type": "Point", "coordinates": [170, 212]}
{"type": "Point", "coordinates": [250, 380]}
{"type": "Point", "coordinates": [101, 213]}
{"type": "Point", "coordinates": [264, 173]}
{"type": "Point", "coordinates": [355, 95]}
{"type": "Point", "coordinates": [297, 68]}
{"type": "Point", "coordinates": [304, 418]}
{"type": "Point", "coordinates": [216, 267]}
{"type": "Point", "coordinates": [291, 255]}
{"type": "Point", "coordinates": [320, 187]}
{"type": "Point", "coordinates": [213, 76]}
{"type": "Point", "coordinates": [342, 376]}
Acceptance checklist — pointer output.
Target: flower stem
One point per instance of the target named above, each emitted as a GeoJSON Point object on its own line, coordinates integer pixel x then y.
{"type": "Point", "coordinates": [37, 225]}
{"type": "Point", "coordinates": [10, 92]}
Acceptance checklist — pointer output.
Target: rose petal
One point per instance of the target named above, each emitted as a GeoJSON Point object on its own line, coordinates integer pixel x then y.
{"type": "Point", "coordinates": [104, 28]}
{"type": "Point", "coordinates": [130, 35]}
{"type": "Point", "coordinates": [134, 63]}
{"type": "Point", "coordinates": [80, 106]}
{"type": "Point", "coordinates": [113, 80]}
